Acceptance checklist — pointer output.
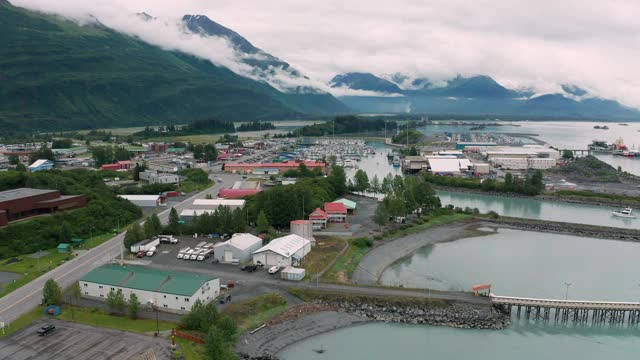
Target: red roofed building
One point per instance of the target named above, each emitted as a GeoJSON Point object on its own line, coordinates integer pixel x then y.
{"type": "Point", "coordinates": [120, 165]}
{"type": "Point", "coordinates": [336, 211]}
{"type": "Point", "coordinates": [281, 166]}
{"type": "Point", "coordinates": [237, 193]}
{"type": "Point", "coordinates": [318, 218]}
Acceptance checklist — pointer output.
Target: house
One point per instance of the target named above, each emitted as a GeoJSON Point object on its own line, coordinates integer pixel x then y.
{"type": "Point", "coordinates": [240, 247]}
{"type": "Point", "coordinates": [336, 212]}
{"type": "Point", "coordinates": [40, 165]}
{"type": "Point", "coordinates": [4, 164]}
{"type": "Point", "coordinates": [350, 205]}
{"type": "Point", "coordinates": [170, 291]}
{"type": "Point", "coordinates": [318, 219]}
{"type": "Point", "coordinates": [284, 251]}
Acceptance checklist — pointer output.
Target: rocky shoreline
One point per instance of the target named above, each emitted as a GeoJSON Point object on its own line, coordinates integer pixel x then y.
{"type": "Point", "coordinates": [456, 315]}
{"type": "Point", "coordinates": [266, 343]}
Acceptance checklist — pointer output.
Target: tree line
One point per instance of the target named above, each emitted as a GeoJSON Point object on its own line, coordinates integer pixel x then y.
{"type": "Point", "coordinates": [256, 126]}
{"type": "Point", "coordinates": [347, 124]}
{"type": "Point", "coordinates": [528, 185]}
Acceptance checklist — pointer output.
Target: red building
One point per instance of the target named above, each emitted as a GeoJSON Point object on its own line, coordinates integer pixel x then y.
{"type": "Point", "coordinates": [25, 202]}
{"type": "Point", "coordinates": [159, 148]}
{"type": "Point", "coordinates": [336, 211]}
{"type": "Point", "coordinates": [120, 165]}
{"type": "Point", "coordinates": [318, 218]}
{"type": "Point", "coordinates": [281, 166]}
{"type": "Point", "coordinates": [237, 193]}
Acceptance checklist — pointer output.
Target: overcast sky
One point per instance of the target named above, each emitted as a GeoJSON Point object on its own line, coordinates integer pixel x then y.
{"type": "Point", "coordinates": [540, 44]}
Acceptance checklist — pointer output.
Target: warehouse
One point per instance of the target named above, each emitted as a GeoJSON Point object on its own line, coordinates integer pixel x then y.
{"type": "Point", "coordinates": [40, 165]}
{"type": "Point", "coordinates": [24, 202]}
{"type": "Point", "coordinates": [146, 200]}
{"type": "Point", "coordinates": [170, 291]}
{"type": "Point", "coordinates": [154, 177]}
{"type": "Point", "coordinates": [212, 204]}
{"type": "Point", "coordinates": [238, 248]}
{"type": "Point", "coordinates": [284, 251]}
{"type": "Point", "coordinates": [448, 165]}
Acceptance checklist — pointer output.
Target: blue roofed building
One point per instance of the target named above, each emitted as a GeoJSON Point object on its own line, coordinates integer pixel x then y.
{"type": "Point", "coordinates": [40, 165]}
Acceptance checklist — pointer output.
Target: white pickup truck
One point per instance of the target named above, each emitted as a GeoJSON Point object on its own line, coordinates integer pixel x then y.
{"type": "Point", "coordinates": [167, 239]}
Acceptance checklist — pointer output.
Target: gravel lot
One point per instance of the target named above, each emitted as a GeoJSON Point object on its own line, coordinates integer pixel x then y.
{"type": "Point", "coordinates": [78, 342]}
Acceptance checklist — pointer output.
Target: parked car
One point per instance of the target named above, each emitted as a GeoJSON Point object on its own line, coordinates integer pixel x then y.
{"type": "Point", "coordinates": [274, 269]}
{"type": "Point", "coordinates": [235, 261]}
{"type": "Point", "coordinates": [225, 299]}
{"type": "Point", "coordinates": [251, 268]}
{"type": "Point", "coordinates": [141, 254]}
{"type": "Point", "coordinates": [45, 330]}
{"type": "Point", "coordinates": [231, 284]}
{"type": "Point", "coordinates": [259, 263]}
{"type": "Point", "coordinates": [244, 267]}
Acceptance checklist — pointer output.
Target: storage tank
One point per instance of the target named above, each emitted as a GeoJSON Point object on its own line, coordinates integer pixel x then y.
{"type": "Point", "coordinates": [304, 229]}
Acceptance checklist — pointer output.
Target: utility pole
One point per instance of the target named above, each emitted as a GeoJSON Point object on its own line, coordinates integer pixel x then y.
{"type": "Point", "coordinates": [38, 256]}
{"type": "Point", "coordinates": [566, 294]}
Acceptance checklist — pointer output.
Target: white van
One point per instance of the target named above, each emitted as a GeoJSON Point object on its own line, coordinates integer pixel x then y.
{"type": "Point", "coordinates": [182, 252]}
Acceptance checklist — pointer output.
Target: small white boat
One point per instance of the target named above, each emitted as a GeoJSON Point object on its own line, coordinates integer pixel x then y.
{"type": "Point", "coordinates": [626, 213]}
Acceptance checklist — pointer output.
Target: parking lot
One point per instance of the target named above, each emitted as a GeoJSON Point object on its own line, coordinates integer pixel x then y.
{"type": "Point", "coordinates": [166, 258]}
{"type": "Point", "coordinates": [77, 341]}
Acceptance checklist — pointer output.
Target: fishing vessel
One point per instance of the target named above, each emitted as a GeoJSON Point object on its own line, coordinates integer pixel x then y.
{"type": "Point", "coordinates": [626, 213]}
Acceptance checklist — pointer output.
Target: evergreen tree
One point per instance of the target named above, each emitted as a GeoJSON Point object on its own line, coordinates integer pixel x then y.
{"type": "Point", "coordinates": [361, 181]}
{"type": "Point", "coordinates": [116, 301]}
{"type": "Point", "coordinates": [338, 179]}
{"type": "Point", "coordinates": [381, 216]}
{"type": "Point", "coordinates": [133, 306]}
{"type": "Point", "coordinates": [174, 221]}
{"type": "Point", "coordinates": [263, 222]}
{"type": "Point", "coordinates": [375, 185]}
{"type": "Point", "coordinates": [65, 232]}
{"type": "Point", "coordinates": [21, 167]}
{"type": "Point", "coordinates": [215, 348]}
{"type": "Point", "coordinates": [227, 328]}
{"type": "Point", "coordinates": [52, 293]}
{"type": "Point", "coordinates": [133, 235]}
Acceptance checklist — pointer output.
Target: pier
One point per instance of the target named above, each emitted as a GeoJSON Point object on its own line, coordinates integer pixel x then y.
{"type": "Point", "coordinates": [575, 311]}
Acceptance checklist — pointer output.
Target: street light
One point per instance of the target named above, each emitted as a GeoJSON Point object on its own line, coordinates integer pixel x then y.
{"type": "Point", "coordinates": [566, 294]}
{"type": "Point", "coordinates": [155, 308]}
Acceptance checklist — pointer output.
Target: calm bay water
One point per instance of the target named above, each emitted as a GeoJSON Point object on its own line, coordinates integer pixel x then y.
{"type": "Point", "coordinates": [538, 209]}
{"type": "Point", "coordinates": [516, 263]}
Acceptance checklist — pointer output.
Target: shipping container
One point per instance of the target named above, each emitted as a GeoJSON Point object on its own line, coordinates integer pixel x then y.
{"type": "Point", "coordinates": [292, 274]}
{"type": "Point", "coordinates": [145, 245]}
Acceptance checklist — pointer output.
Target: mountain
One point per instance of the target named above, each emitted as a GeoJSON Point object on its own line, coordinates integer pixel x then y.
{"type": "Point", "coordinates": [57, 75]}
{"type": "Point", "coordinates": [478, 95]}
{"type": "Point", "coordinates": [306, 98]}
{"type": "Point", "coordinates": [364, 81]}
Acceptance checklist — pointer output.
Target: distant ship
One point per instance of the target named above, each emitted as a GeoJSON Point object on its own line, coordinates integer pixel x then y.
{"type": "Point", "coordinates": [605, 127]}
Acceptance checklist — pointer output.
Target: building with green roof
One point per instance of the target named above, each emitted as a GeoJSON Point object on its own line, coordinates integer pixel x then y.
{"type": "Point", "coordinates": [171, 291]}
{"type": "Point", "coordinates": [350, 205]}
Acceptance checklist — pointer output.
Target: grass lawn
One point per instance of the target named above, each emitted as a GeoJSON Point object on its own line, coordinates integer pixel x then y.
{"type": "Point", "coordinates": [430, 222]}
{"type": "Point", "coordinates": [23, 321]}
{"type": "Point", "coordinates": [250, 314]}
{"type": "Point", "coordinates": [28, 267]}
{"type": "Point", "coordinates": [326, 249]}
{"type": "Point", "coordinates": [346, 264]}
{"type": "Point", "coordinates": [190, 350]}
{"type": "Point", "coordinates": [98, 318]}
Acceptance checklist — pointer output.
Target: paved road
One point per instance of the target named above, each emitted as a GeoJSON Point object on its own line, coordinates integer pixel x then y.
{"type": "Point", "coordinates": [29, 296]}
{"type": "Point", "coordinates": [261, 280]}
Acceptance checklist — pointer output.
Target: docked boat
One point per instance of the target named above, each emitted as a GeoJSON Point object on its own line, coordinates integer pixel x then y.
{"type": "Point", "coordinates": [626, 213]}
{"type": "Point", "coordinates": [348, 163]}
{"type": "Point", "coordinates": [396, 161]}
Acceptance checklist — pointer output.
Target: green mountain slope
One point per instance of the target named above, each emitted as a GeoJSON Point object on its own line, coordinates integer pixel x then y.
{"type": "Point", "coordinates": [57, 75]}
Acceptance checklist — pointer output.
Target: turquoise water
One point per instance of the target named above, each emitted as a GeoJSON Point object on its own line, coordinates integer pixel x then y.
{"type": "Point", "coordinates": [516, 263]}
{"type": "Point", "coordinates": [407, 342]}
{"type": "Point", "coordinates": [538, 209]}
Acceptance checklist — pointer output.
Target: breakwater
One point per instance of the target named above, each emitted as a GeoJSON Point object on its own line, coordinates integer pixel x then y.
{"type": "Point", "coordinates": [593, 231]}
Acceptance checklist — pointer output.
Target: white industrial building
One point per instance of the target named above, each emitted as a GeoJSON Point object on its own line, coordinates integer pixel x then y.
{"type": "Point", "coordinates": [212, 204]}
{"type": "Point", "coordinates": [284, 251]}
{"type": "Point", "coordinates": [146, 200]}
{"type": "Point", "coordinates": [240, 247]}
{"type": "Point", "coordinates": [448, 165]}
{"type": "Point", "coordinates": [154, 177]}
{"type": "Point", "coordinates": [169, 291]}
{"type": "Point", "coordinates": [188, 214]}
